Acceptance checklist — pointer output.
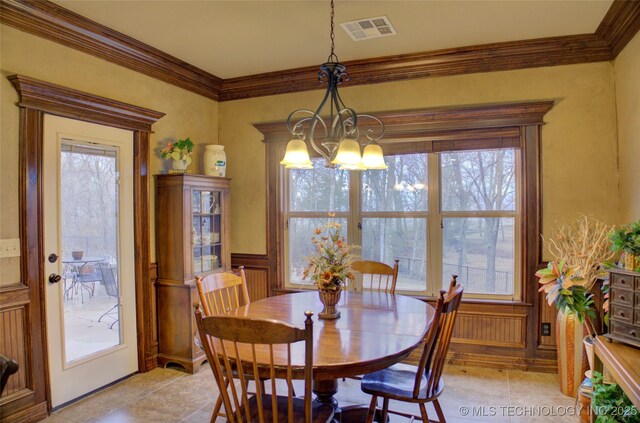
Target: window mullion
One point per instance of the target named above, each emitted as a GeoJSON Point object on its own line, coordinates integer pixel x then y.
{"type": "Point", "coordinates": [434, 230]}
{"type": "Point", "coordinates": [355, 209]}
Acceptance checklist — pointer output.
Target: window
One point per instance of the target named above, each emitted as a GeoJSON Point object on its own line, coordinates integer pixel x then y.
{"type": "Point", "coordinates": [478, 195]}
{"type": "Point", "coordinates": [313, 194]}
{"type": "Point", "coordinates": [456, 228]}
{"type": "Point", "coordinates": [437, 213]}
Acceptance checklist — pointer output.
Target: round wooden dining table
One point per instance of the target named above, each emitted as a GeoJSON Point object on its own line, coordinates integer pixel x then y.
{"type": "Point", "coordinates": [375, 330]}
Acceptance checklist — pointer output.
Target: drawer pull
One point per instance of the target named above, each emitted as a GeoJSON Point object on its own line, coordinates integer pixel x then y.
{"type": "Point", "coordinates": [633, 333]}
{"type": "Point", "coordinates": [622, 314]}
{"type": "Point", "coordinates": [621, 297]}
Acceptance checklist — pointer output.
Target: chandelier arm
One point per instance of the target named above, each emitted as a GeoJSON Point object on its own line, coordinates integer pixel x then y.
{"type": "Point", "coordinates": [373, 134]}
{"type": "Point", "coordinates": [345, 123]}
{"type": "Point", "coordinates": [296, 128]}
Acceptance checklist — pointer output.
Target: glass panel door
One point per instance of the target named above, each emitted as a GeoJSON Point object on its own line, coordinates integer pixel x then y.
{"type": "Point", "coordinates": [89, 235]}
{"type": "Point", "coordinates": [88, 241]}
{"type": "Point", "coordinates": [206, 239]}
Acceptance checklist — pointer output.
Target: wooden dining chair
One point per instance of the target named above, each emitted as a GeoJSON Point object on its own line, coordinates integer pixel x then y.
{"type": "Point", "coordinates": [423, 383]}
{"type": "Point", "coordinates": [222, 292]}
{"type": "Point", "coordinates": [376, 276]}
{"type": "Point", "coordinates": [262, 349]}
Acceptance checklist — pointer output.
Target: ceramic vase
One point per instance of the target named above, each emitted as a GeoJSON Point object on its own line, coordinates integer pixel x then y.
{"type": "Point", "coordinates": [572, 360]}
{"type": "Point", "coordinates": [215, 160]}
{"type": "Point", "coordinates": [179, 166]}
{"type": "Point", "coordinates": [329, 299]}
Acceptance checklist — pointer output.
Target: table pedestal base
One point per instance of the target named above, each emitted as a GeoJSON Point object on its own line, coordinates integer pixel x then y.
{"type": "Point", "coordinates": [325, 391]}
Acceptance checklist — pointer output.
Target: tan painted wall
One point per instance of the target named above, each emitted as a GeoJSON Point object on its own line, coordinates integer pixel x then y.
{"type": "Point", "coordinates": [579, 140]}
{"type": "Point", "coordinates": [187, 114]}
{"type": "Point", "coordinates": [627, 80]}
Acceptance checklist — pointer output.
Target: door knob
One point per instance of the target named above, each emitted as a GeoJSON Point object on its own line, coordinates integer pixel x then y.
{"type": "Point", "coordinates": [54, 278]}
{"type": "Point", "coordinates": [53, 258]}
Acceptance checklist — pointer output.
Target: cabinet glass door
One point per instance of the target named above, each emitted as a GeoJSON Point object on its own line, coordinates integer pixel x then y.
{"type": "Point", "coordinates": [206, 237]}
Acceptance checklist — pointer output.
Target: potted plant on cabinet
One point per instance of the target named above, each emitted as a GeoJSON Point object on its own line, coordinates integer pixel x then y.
{"type": "Point", "coordinates": [626, 241]}
{"type": "Point", "coordinates": [180, 153]}
{"type": "Point", "coordinates": [579, 249]}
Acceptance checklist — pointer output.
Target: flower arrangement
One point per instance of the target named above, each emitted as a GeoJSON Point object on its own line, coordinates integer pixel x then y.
{"type": "Point", "coordinates": [331, 263]}
{"type": "Point", "coordinates": [179, 150]}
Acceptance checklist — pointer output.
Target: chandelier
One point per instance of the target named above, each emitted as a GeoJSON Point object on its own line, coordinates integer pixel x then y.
{"type": "Point", "coordinates": [339, 143]}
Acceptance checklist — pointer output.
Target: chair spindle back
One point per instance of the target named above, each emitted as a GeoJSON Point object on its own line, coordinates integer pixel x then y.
{"type": "Point", "coordinates": [258, 349]}
{"type": "Point", "coordinates": [376, 276]}
{"type": "Point", "coordinates": [438, 338]}
{"type": "Point", "coordinates": [222, 292]}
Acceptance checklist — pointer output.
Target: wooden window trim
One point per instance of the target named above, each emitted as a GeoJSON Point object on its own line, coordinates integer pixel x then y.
{"type": "Point", "coordinates": [477, 124]}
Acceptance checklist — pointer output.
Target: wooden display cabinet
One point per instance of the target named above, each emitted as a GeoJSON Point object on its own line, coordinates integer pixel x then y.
{"type": "Point", "coordinates": [192, 238]}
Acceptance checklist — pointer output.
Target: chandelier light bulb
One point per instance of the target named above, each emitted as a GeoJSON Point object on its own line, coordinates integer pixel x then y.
{"type": "Point", "coordinates": [297, 155]}
{"type": "Point", "coordinates": [348, 153]}
{"type": "Point", "coordinates": [372, 157]}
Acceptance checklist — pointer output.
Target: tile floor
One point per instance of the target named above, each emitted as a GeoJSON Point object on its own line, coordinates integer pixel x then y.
{"type": "Point", "coordinates": [471, 395]}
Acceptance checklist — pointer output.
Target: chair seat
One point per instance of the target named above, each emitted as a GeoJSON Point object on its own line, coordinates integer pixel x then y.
{"type": "Point", "coordinates": [322, 413]}
{"type": "Point", "coordinates": [397, 382]}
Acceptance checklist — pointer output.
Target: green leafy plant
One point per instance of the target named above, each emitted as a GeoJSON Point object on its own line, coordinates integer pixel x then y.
{"type": "Point", "coordinates": [626, 239]}
{"type": "Point", "coordinates": [611, 404]}
{"type": "Point", "coordinates": [179, 150]}
{"type": "Point", "coordinates": [330, 266]}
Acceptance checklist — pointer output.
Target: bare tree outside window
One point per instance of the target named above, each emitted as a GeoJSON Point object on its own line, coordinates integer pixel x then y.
{"type": "Point", "coordinates": [89, 188]}
{"type": "Point", "coordinates": [394, 217]}
{"type": "Point", "coordinates": [476, 211]}
{"type": "Point", "coordinates": [476, 183]}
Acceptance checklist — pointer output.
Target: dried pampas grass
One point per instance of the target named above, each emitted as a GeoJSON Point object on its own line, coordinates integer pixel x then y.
{"type": "Point", "coordinates": [583, 243]}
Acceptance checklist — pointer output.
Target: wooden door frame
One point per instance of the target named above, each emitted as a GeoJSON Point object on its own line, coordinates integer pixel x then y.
{"type": "Point", "coordinates": [38, 98]}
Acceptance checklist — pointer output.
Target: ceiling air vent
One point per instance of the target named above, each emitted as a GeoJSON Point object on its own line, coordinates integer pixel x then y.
{"type": "Point", "coordinates": [364, 29]}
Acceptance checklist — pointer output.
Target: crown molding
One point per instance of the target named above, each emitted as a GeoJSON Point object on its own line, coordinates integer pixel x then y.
{"type": "Point", "coordinates": [523, 54]}
{"type": "Point", "coordinates": [620, 25]}
{"type": "Point", "coordinates": [66, 102]}
{"type": "Point", "coordinates": [48, 20]}
{"type": "Point", "coordinates": [55, 23]}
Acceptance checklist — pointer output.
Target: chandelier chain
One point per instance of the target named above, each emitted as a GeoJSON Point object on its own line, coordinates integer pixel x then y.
{"type": "Point", "coordinates": [332, 57]}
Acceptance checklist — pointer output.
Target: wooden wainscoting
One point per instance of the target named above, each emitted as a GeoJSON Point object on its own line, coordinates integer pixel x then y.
{"type": "Point", "coordinates": [24, 397]}
{"type": "Point", "coordinates": [256, 267]}
{"type": "Point", "coordinates": [13, 324]}
{"type": "Point", "coordinates": [493, 334]}
{"type": "Point", "coordinates": [505, 330]}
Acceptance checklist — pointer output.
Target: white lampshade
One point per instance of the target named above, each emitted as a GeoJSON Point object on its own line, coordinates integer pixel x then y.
{"type": "Point", "coordinates": [297, 156]}
{"type": "Point", "coordinates": [348, 153]}
{"type": "Point", "coordinates": [372, 157]}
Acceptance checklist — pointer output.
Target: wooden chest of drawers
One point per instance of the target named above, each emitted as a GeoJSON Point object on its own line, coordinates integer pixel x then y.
{"type": "Point", "coordinates": [624, 310]}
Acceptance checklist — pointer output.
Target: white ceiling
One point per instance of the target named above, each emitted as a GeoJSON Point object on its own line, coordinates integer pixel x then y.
{"type": "Point", "coordinates": [238, 38]}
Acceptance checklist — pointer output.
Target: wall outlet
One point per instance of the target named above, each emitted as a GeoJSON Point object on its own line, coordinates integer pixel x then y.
{"type": "Point", "coordinates": [546, 329]}
{"type": "Point", "coordinates": [9, 248]}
